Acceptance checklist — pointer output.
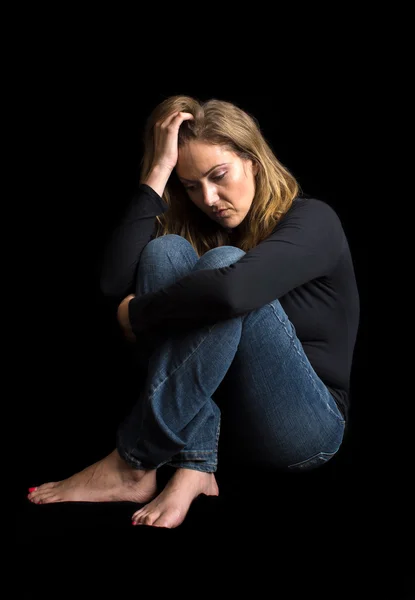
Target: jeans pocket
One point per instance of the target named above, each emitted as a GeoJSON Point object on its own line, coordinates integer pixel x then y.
{"type": "Point", "coordinates": [313, 462]}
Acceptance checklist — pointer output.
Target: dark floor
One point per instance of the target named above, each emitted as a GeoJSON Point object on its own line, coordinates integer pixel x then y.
{"type": "Point", "coordinates": [308, 531]}
{"type": "Point", "coordinates": [248, 501]}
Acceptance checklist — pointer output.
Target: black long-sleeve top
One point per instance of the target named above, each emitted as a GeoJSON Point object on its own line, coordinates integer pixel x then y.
{"type": "Point", "coordinates": [305, 263]}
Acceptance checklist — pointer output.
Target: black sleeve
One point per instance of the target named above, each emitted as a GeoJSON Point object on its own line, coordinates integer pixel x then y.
{"type": "Point", "coordinates": [128, 240]}
{"type": "Point", "coordinates": [306, 244]}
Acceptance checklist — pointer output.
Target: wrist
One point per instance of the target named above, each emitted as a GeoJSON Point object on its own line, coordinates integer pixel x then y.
{"type": "Point", "coordinates": [158, 178]}
{"type": "Point", "coordinates": [161, 168]}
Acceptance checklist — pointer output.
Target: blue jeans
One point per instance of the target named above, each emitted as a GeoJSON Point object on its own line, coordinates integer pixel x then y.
{"type": "Point", "coordinates": [251, 369]}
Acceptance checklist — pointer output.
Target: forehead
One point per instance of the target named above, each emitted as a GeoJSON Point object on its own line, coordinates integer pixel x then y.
{"type": "Point", "coordinates": [195, 158]}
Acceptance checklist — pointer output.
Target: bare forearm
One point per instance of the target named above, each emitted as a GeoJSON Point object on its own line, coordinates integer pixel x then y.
{"type": "Point", "coordinates": [158, 178]}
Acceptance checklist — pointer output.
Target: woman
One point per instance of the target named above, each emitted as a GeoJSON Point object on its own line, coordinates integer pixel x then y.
{"type": "Point", "coordinates": [230, 283]}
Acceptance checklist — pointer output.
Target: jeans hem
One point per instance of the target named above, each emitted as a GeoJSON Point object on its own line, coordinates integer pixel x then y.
{"type": "Point", "coordinates": [194, 466]}
{"type": "Point", "coordinates": [135, 463]}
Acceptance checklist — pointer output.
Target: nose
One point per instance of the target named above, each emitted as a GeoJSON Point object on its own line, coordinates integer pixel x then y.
{"type": "Point", "coordinates": [209, 195]}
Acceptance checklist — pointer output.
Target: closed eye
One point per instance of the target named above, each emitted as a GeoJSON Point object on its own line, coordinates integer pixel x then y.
{"type": "Point", "coordinates": [217, 178]}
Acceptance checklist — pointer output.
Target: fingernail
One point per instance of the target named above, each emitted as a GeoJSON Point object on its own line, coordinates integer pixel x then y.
{"type": "Point", "coordinates": [32, 489]}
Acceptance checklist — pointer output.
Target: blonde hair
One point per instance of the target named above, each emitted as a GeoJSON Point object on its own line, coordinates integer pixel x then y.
{"type": "Point", "coordinates": [225, 124]}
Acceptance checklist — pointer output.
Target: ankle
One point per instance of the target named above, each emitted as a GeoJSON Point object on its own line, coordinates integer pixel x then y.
{"type": "Point", "coordinates": [124, 466]}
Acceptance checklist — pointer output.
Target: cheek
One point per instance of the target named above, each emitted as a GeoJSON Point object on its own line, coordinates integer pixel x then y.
{"type": "Point", "coordinates": [242, 188]}
{"type": "Point", "coordinates": [237, 185]}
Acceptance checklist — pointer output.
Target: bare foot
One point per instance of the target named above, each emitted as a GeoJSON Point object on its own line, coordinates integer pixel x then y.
{"type": "Point", "coordinates": [108, 480]}
{"type": "Point", "coordinates": [170, 507]}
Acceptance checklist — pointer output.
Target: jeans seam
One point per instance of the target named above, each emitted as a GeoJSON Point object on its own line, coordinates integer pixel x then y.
{"type": "Point", "coordinates": [184, 362]}
{"type": "Point", "coordinates": [339, 417]}
{"type": "Point", "coordinates": [305, 365]}
{"type": "Point", "coordinates": [215, 450]}
{"type": "Point", "coordinates": [322, 454]}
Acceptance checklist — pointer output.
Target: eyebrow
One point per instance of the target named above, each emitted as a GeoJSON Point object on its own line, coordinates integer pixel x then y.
{"type": "Point", "coordinates": [204, 174]}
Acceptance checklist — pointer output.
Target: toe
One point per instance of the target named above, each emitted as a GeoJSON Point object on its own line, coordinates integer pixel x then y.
{"type": "Point", "coordinates": [37, 499]}
{"type": "Point", "coordinates": [49, 499]}
{"type": "Point", "coordinates": [47, 486]}
{"type": "Point", "coordinates": [146, 520]}
{"type": "Point", "coordinates": [43, 497]}
{"type": "Point", "coordinates": [162, 522]}
{"type": "Point", "coordinates": [135, 519]}
{"type": "Point", "coordinates": [170, 518]}
{"type": "Point", "coordinates": [33, 492]}
{"type": "Point", "coordinates": [141, 518]}
{"type": "Point", "coordinates": [150, 518]}
{"type": "Point", "coordinates": [137, 514]}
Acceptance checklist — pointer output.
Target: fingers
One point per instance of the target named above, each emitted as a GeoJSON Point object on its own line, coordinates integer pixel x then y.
{"type": "Point", "coordinates": [175, 119]}
{"type": "Point", "coordinates": [166, 139]}
{"type": "Point", "coordinates": [123, 318]}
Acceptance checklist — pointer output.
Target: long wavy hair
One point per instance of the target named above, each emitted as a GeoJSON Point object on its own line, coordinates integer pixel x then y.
{"type": "Point", "coordinates": [223, 123]}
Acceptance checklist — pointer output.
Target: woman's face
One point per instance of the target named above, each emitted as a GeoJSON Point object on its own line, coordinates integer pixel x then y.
{"type": "Point", "coordinates": [215, 178]}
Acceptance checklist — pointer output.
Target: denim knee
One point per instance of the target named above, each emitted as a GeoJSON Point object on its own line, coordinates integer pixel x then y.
{"type": "Point", "coordinates": [223, 256]}
{"type": "Point", "coordinates": [172, 239]}
{"type": "Point", "coordinates": [215, 258]}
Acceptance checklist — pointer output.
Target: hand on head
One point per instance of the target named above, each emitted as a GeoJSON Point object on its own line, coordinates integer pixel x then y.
{"type": "Point", "coordinates": [166, 135]}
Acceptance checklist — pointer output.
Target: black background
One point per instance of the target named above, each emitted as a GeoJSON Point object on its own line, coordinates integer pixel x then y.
{"type": "Point", "coordinates": [82, 149]}
{"type": "Point", "coordinates": [79, 147]}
